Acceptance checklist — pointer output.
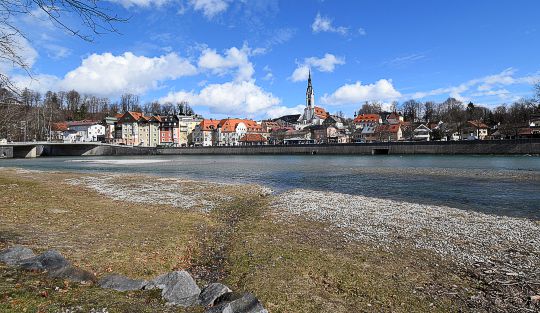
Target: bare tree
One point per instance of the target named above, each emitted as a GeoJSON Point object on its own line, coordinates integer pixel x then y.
{"type": "Point", "coordinates": [93, 20]}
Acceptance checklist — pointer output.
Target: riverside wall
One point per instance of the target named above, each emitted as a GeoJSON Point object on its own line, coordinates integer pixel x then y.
{"type": "Point", "coordinates": [520, 146]}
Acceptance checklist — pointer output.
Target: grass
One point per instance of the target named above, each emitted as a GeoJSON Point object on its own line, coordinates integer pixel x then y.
{"type": "Point", "coordinates": [292, 266]}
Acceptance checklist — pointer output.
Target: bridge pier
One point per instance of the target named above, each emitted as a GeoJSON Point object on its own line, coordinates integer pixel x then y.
{"type": "Point", "coordinates": [6, 152]}
{"type": "Point", "coordinates": [26, 151]}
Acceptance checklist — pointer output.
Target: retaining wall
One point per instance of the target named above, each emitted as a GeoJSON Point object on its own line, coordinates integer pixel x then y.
{"type": "Point", "coordinates": [520, 146]}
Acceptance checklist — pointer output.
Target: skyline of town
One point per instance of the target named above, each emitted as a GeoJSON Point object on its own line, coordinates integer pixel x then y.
{"type": "Point", "coordinates": [251, 58]}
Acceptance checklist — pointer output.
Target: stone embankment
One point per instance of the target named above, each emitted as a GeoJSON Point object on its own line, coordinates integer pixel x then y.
{"type": "Point", "coordinates": [178, 288]}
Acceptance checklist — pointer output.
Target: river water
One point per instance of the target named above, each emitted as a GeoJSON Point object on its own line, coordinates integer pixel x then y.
{"type": "Point", "coordinates": [501, 185]}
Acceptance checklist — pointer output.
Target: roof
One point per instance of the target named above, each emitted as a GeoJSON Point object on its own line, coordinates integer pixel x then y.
{"type": "Point", "coordinates": [230, 124]}
{"type": "Point", "coordinates": [393, 115]}
{"type": "Point", "coordinates": [133, 115]}
{"type": "Point", "coordinates": [253, 138]}
{"type": "Point", "coordinates": [292, 119]}
{"type": "Point", "coordinates": [208, 124]}
{"type": "Point", "coordinates": [394, 128]}
{"type": "Point", "coordinates": [320, 112]}
{"type": "Point", "coordinates": [363, 118]}
{"type": "Point", "coordinates": [60, 126]}
{"type": "Point", "coordinates": [82, 123]}
{"type": "Point", "coordinates": [477, 124]}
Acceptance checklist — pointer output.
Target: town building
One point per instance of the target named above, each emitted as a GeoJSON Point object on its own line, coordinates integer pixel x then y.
{"type": "Point", "coordinates": [474, 130]}
{"type": "Point", "coordinates": [363, 120]}
{"type": "Point", "coordinates": [230, 130]}
{"type": "Point", "coordinates": [388, 132]}
{"type": "Point", "coordinates": [422, 133]}
{"type": "Point", "coordinates": [204, 133]}
{"type": "Point", "coordinates": [84, 131]}
{"type": "Point", "coordinates": [128, 125]}
{"type": "Point", "coordinates": [253, 140]}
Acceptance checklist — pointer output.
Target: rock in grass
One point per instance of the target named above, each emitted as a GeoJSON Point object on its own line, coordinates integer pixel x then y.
{"type": "Point", "coordinates": [211, 292]}
{"type": "Point", "coordinates": [50, 260]}
{"type": "Point", "coordinates": [178, 288]}
{"type": "Point", "coordinates": [248, 303]}
{"type": "Point", "coordinates": [121, 283]}
{"type": "Point", "coordinates": [16, 254]}
{"type": "Point", "coordinates": [73, 274]}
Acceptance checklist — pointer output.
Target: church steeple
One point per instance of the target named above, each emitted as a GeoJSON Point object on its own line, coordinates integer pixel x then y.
{"type": "Point", "coordinates": [310, 96]}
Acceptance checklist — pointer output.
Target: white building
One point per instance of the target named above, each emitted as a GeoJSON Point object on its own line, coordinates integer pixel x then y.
{"type": "Point", "coordinates": [422, 133]}
{"type": "Point", "coordinates": [84, 131]}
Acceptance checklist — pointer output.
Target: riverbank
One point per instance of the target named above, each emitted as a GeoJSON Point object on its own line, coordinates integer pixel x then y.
{"type": "Point", "coordinates": [299, 251]}
{"type": "Point", "coordinates": [495, 147]}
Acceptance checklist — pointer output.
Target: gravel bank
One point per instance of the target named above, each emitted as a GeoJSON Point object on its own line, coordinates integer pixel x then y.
{"type": "Point", "coordinates": [466, 237]}
{"type": "Point", "coordinates": [184, 194]}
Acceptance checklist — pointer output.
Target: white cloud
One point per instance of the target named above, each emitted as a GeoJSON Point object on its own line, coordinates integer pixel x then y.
{"type": "Point", "coordinates": [210, 8]}
{"type": "Point", "coordinates": [109, 75]}
{"type": "Point", "coordinates": [382, 90]}
{"type": "Point", "coordinates": [23, 49]}
{"type": "Point", "coordinates": [325, 64]}
{"type": "Point", "coordinates": [233, 59]}
{"type": "Point", "coordinates": [491, 85]}
{"type": "Point", "coordinates": [269, 76]}
{"type": "Point", "coordinates": [232, 98]}
{"type": "Point", "coordinates": [279, 111]}
{"type": "Point", "coordinates": [362, 32]}
{"type": "Point", "coordinates": [324, 24]}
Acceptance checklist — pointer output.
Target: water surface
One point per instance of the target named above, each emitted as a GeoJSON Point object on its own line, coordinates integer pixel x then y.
{"type": "Point", "coordinates": [479, 183]}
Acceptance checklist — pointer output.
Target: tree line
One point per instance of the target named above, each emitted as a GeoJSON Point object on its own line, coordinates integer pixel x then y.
{"type": "Point", "coordinates": [30, 115]}
{"type": "Point", "coordinates": [507, 118]}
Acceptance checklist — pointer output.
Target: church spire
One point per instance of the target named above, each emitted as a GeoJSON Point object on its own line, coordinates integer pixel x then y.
{"type": "Point", "coordinates": [310, 96]}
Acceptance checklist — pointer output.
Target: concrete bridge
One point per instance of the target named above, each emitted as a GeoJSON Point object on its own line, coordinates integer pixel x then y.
{"type": "Point", "coordinates": [37, 149]}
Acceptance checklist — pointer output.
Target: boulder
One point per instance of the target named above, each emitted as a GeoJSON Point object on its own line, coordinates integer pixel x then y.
{"type": "Point", "coordinates": [73, 274]}
{"type": "Point", "coordinates": [50, 260]}
{"type": "Point", "coordinates": [16, 254]}
{"type": "Point", "coordinates": [177, 288]}
{"type": "Point", "coordinates": [212, 292]}
{"type": "Point", "coordinates": [248, 303]}
{"type": "Point", "coordinates": [121, 283]}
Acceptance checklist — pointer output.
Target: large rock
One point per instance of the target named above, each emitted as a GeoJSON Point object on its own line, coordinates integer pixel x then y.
{"type": "Point", "coordinates": [16, 254]}
{"type": "Point", "coordinates": [50, 260]}
{"type": "Point", "coordinates": [73, 274]}
{"type": "Point", "coordinates": [121, 283]}
{"type": "Point", "coordinates": [212, 292]}
{"type": "Point", "coordinates": [248, 303]}
{"type": "Point", "coordinates": [178, 288]}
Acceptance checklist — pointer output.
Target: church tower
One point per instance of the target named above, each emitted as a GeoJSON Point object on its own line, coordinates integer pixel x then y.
{"type": "Point", "coordinates": [310, 96]}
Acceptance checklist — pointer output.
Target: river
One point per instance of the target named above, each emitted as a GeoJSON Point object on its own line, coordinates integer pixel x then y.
{"type": "Point", "coordinates": [501, 185]}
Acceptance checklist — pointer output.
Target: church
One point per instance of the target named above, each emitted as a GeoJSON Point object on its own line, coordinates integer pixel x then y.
{"type": "Point", "coordinates": [312, 115]}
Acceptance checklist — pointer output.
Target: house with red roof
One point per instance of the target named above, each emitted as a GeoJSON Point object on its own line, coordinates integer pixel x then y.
{"type": "Point", "coordinates": [363, 120]}
{"type": "Point", "coordinates": [253, 140]}
{"type": "Point", "coordinates": [474, 130]}
{"type": "Point", "coordinates": [203, 133]}
{"type": "Point", "coordinates": [231, 130]}
{"type": "Point", "coordinates": [388, 132]}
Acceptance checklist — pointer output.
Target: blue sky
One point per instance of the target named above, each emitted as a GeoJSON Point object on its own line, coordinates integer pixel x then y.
{"type": "Point", "coordinates": [250, 58]}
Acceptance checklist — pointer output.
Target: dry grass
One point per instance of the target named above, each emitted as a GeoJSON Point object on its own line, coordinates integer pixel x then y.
{"type": "Point", "coordinates": [95, 232]}
{"type": "Point", "coordinates": [292, 266]}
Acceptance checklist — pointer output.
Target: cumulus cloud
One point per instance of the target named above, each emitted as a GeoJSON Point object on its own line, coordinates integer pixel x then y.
{"type": "Point", "coordinates": [278, 111]}
{"type": "Point", "coordinates": [233, 59]}
{"type": "Point", "coordinates": [210, 8]}
{"type": "Point", "coordinates": [324, 24]}
{"type": "Point", "coordinates": [382, 90]}
{"type": "Point", "coordinates": [325, 64]}
{"type": "Point", "coordinates": [21, 48]}
{"type": "Point", "coordinates": [111, 75]}
{"type": "Point", "coordinates": [228, 98]}
{"type": "Point", "coordinates": [490, 85]}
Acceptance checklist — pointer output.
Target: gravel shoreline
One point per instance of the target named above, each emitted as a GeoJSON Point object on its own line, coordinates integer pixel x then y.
{"type": "Point", "coordinates": [466, 237]}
